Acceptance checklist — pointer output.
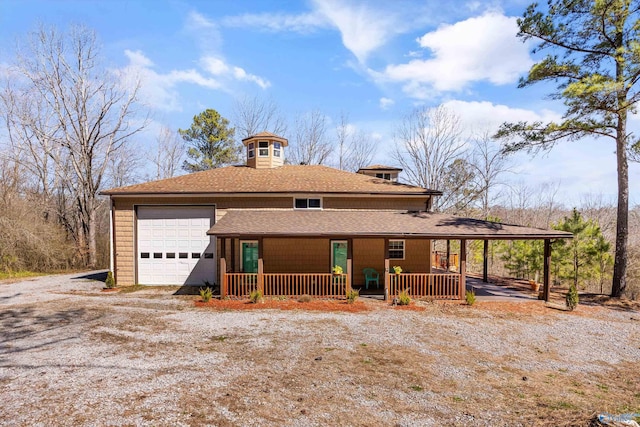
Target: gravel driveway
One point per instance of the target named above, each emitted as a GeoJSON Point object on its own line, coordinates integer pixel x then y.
{"type": "Point", "coordinates": [73, 355]}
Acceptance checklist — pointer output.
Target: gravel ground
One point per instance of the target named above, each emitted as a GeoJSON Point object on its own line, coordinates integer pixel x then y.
{"type": "Point", "coordinates": [73, 355]}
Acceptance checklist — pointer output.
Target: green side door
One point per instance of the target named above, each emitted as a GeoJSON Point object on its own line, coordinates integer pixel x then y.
{"type": "Point", "coordinates": [250, 257]}
{"type": "Point", "coordinates": [339, 254]}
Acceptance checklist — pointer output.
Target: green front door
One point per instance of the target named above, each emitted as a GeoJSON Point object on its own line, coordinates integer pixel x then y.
{"type": "Point", "coordinates": [250, 257]}
{"type": "Point", "coordinates": [339, 254]}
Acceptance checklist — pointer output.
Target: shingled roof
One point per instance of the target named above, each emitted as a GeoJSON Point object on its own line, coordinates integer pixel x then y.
{"type": "Point", "coordinates": [283, 179]}
{"type": "Point", "coordinates": [340, 223]}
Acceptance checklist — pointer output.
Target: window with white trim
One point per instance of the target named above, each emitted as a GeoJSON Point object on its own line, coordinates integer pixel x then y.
{"type": "Point", "coordinates": [396, 249]}
{"type": "Point", "coordinates": [263, 148]}
{"type": "Point", "coordinates": [307, 203]}
{"type": "Point", "coordinates": [251, 150]}
{"type": "Point", "coordinates": [276, 149]}
{"type": "Point", "coordinates": [386, 176]}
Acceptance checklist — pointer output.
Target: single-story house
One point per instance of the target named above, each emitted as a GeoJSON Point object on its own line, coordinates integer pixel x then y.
{"type": "Point", "coordinates": [283, 228]}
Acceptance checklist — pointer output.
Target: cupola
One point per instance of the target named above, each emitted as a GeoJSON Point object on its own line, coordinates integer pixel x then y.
{"type": "Point", "coordinates": [265, 150]}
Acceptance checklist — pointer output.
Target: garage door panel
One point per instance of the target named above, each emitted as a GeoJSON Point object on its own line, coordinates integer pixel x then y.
{"type": "Point", "coordinates": [181, 233]}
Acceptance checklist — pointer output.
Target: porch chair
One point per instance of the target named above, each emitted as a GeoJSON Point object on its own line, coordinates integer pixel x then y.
{"type": "Point", "coordinates": [371, 275]}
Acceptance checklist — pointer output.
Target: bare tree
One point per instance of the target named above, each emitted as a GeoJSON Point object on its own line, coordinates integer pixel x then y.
{"type": "Point", "coordinates": [488, 161]}
{"type": "Point", "coordinates": [354, 148]}
{"type": "Point", "coordinates": [169, 153]}
{"type": "Point", "coordinates": [252, 115]}
{"type": "Point", "coordinates": [427, 143]}
{"type": "Point", "coordinates": [310, 145]}
{"type": "Point", "coordinates": [89, 115]}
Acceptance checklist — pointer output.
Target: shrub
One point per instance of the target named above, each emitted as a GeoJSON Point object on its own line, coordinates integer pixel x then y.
{"type": "Point", "coordinates": [572, 298]}
{"type": "Point", "coordinates": [206, 294]}
{"type": "Point", "coordinates": [337, 269]}
{"type": "Point", "coordinates": [256, 296]}
{"type": "Point", "coordinates": [305, 298]}
{"type": "Point", "coordinates": [397, 269]}
{"type": "Point", "coordinates": [404, 298]}
{"type": "Point", "coordinates": [352, 296]}
{"type": "Point", "coordinates": [470, 297]}
{"type": "Point", "coordinates": [110, 283]}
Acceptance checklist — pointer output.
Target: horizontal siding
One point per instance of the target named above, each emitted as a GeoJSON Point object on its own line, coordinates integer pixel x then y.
{"type": "Point", "coordinates": [395, 203]}
{"type": "Point", "coordinates": [297, 255]}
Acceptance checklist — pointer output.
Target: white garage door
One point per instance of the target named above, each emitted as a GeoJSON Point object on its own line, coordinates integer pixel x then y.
{"type": "Point", "coordinates": [173, 246]}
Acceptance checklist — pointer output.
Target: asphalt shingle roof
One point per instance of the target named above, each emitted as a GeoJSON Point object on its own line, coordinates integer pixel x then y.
{"type": "Point", "coordinates": [283, 179]}
{"type": "Point", "coordinates": [369, 223]}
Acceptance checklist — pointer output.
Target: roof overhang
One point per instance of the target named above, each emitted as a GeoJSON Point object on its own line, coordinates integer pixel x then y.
{"type": "Point", "coordinates": [360, 223]}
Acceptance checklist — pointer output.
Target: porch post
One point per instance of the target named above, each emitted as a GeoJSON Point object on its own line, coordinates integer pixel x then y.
{"type": "Point", "coordinates": [387, 284]}
{"type": "Point", "coordinates": [223, 278]}
{"type": "Point", "coordinates": [260, 266]}
{"type": "Point", "coordinates": [463, 267]}
{"type": "Point", "coordinates": [232, 256]}
{"type": "Point", "coordinates": [485, 262]}
{"type": "Point", "coordinates": [448, 254]}
{"type": "Point", "coordinates": [546, 272]}
{"type": "Point", "coordinates": [349, 264]}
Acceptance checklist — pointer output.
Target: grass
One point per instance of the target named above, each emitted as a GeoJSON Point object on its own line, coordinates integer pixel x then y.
{"type": "Point", "coordinates": [4, 275]}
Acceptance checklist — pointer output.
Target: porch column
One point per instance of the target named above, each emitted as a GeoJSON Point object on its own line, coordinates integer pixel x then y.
{"type": "Point", "coordinates": [463, 267]}
{"type": "Point", "coordinates": [485, 262]}
{"type": "Point", "coordinates": [232, 257]}
{"type": "Point", "coordinates": [349, 264]}
{"type": "Point", "coordinates": [448, 254]}
{"type": "Point", "coordinates": [260, 266]}
{"type": "Point", "coordinates": [386, 269]}
{"type": "Point", "coordinates": [546, 271]}
{"type": "Point", "coordinates": [223, 278]}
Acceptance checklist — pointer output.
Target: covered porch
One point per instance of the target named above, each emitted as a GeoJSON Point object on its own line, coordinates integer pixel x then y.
{"type": "Point", "coordinates": [289, 253]}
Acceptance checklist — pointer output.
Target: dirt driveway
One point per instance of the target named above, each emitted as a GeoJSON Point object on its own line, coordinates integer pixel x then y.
{"type": "Point", "coordinates": [72, 355]}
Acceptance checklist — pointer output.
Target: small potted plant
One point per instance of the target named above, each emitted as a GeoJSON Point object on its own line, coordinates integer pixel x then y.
{"type": "Point", "coordinates": [535, 286]}
{"type": "Point", "coordinates": [397, 269]}
{"type": "Point", "coordinates": [336, 270]}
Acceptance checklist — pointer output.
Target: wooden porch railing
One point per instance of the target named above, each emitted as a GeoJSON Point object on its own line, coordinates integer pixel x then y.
{"type": "Point", "coordinates": [320, 285]}
{"type": "Point", "coordinates": [424, 285]}
{"type": "Point", "coordinates": [323, 285]}
{"type": "Point", "coordinates": [240, 284]}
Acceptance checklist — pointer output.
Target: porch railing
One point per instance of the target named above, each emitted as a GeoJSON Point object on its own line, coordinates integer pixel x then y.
{"type": "Point", "coordinates": [324, 285]}
{"type": "Point", "coordinates": [320, 285]}
{"type": "Point", "coordinates": [423, 285]}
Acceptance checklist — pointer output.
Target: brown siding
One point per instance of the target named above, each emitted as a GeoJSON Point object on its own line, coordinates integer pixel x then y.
{"type": "Point", "coordinates": [297, 255]}
{"type": "Point", "coordinates": [417, 256]}
{"type": "Point", "coordinates": [399, 203]}
{"type": "Point", "coordinates": [367, 253]}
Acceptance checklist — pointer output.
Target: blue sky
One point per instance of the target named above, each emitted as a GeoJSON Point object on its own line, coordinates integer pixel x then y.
{"type": "Point", "coordinates": [375, 60]}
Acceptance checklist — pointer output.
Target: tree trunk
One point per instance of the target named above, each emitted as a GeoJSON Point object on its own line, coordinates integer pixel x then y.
{"type": "Point", "coordinates": [93, 252]}
{"type": "Point", "coordinates": [619, 284]}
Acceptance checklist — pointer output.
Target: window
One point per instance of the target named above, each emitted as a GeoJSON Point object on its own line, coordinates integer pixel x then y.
{"type": "Point", "coordinates": [195, 255]}
{"type": "Point", "coordinates": [263, 148]}
{"type": "Point", "coordinates": [276, 149]}
{"type": "Point", "coordinates": [251, 150]}
{"type": "Point", "coordinates": [144, 255]}
{"type": "Point", "coordinates": [208, 255]}
{"type": "Point", "coordinates": [396, 249]}
{"type": "Point", "coordinates": [183, 255]}
{"type": "Point", "coordinates": [308, 204]}
{"type": "Point", "coordinates": [157, 255]}
{"type": "Point", "coordinates": [171, 255]}
{"type": "Point", "coordinates": [386, 176]}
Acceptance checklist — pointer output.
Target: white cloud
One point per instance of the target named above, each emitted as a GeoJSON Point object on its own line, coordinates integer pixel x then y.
{"type": "Point", "coordinates": [480, 116]}
{"type": "Point", "coordinates": [483, 48]}
{"type": "Point", "coordinates": [362, 27]}
{"type": "Point", "coordinates": [159, 90]}
{"type": "Point", "coordinates": [302, 23]}
{"type": "Point", "coordinates": [386, 103]}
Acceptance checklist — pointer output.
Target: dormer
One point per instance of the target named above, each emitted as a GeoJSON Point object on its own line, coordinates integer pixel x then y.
{"type": "Point", "coordinates": [265, 150]}
{"type": "Point", "coordinates": [379, 171]}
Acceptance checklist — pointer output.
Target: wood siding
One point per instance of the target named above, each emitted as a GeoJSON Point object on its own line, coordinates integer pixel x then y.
{"type": "Point", "coordinates": [381, 202]}
{"type": "Point", "coordinates": [297, 255]}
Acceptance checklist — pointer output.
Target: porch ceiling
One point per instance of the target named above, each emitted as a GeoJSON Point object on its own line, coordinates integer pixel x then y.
{"type": "Point", "coordinates": [360, 223]}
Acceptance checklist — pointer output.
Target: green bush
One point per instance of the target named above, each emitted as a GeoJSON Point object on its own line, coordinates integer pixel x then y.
{"type": "Point", "coordinates": [572, 298]}
{"type": "Point", "coordinates": [352, 296]}
{"type": "Point", "coordinates": [397, 269]}
{"type": "Point", "coordinates": [337, 270]}
{"type": "Point", "coordinates": [110, 283]}
{"type": "Point", "coordinates": [404, 298]}
{"type": "Point", "coordinates": [470, 297]}
{"type": "Point", "coordinates": [206, 294]}
{"type": "Point", "coordinates": [256, 296]}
